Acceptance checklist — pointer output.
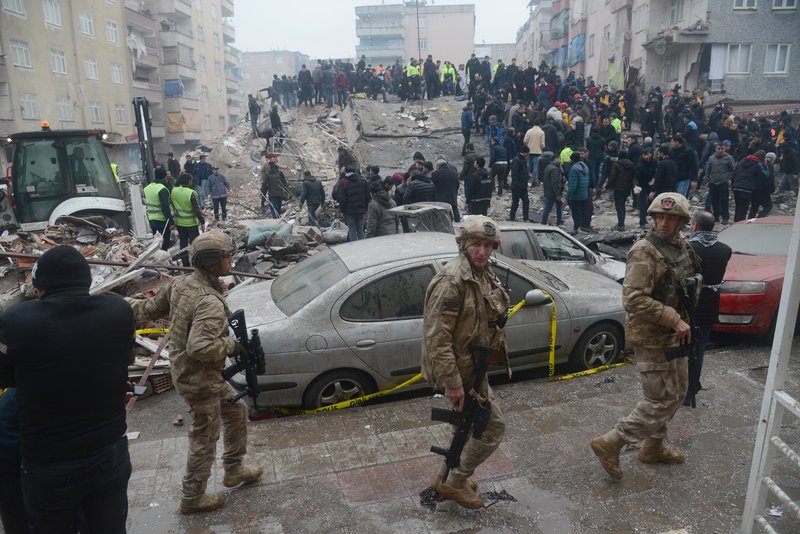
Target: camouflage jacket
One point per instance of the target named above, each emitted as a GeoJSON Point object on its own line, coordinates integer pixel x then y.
{"type": "Point", "coordinates": [198, 321]}
{"type": "Point", "coordinates": [457, 315]}
{"type": "Point", "coordinates": [650, 294]}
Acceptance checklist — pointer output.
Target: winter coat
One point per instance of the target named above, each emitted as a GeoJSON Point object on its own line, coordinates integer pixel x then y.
{"type": "Point", "coordinates": [534, 139]}
{"type": "Point", "coordinates": [645, 172]}
{"type": "Point", "coordinates": [379, 220]}
{"type": "Point", "coordinates": [313, 192]}
{"type": "Point", "coordinates": [552, 182]}
{"type": "Point", "coordinates": [578, 183]}
{"type": "Point", "coordinates": [354, 195]}
{"type": "Point", "coordinates": [445, 184]}
{"type": "Point", "coordinates": [595, 145]}
{"type": "Point", "coordinates": [218, 186]}
{"type": "Point", "coordinates": [551, 141]}
{"type": "Point", "coordinates": [621, 178]}
{"type": "Point", "coordinates": [420, 189]}
{"type": "Point", "coordinates": [498, 155]}
{"type": "Point", "coordinates": [276, 182]}
{"type": "Point", "coordinates": [686, 162]}
{"type": "Point", "coordinates": [748, 173]}
{"type": "Point", "coordinates": [467, 118]}
{"type": "Point", "coordinates": [519, 173]}
{"type": "Point", "coordinates": [480, 185]}
{"type": "Point", "coordinates": [665, 179]}
{"type": "Point", "coordinates": [719, 169]}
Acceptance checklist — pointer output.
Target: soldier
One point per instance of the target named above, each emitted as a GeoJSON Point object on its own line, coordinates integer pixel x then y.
{"type": "Point", "coordinates": [198, 318]}
{"type": "Point", "coordinates": [461, 303]}
{"type": "Point", "coordinates": [657, 322]}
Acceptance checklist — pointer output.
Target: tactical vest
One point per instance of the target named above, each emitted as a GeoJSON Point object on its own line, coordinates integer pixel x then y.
{"type": "Point", "coordinates": [682, 263]}
{"type": "Point", "coordinates": [184, 211]}
{"type": "Point", "coordinates": [153, 203]}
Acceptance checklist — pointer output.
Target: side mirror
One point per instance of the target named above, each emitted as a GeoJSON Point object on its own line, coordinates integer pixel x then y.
{"type": "Point", "coordinates": [536, 297]}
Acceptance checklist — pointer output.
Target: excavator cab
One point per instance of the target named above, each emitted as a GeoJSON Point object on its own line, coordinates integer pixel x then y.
{"type": "Point", "coordinates": [62, 172]}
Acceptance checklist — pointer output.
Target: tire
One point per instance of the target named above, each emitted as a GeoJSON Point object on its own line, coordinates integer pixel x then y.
{"type": "Point", "coordinates": [599, 345]}
{"type": "Point", "coordinates": [337, 386]}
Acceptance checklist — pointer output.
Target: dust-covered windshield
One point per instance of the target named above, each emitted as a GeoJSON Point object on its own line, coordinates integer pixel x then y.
{"type": "Point", "coordinates": [758, 239]}
{"type": "Point", "coordinates": [308, 279]}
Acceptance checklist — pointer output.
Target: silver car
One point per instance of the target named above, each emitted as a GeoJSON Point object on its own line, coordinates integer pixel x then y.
{"type": "Point", "coordinates": [555, 247]}
{"type": "Point", "coordinates": [348, 320]}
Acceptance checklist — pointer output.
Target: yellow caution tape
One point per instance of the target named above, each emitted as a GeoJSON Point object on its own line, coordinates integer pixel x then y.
{"type": "Point", "coordinates": [352, 402]}
{"type": "Point", "coordinates": [147, 331]}
{"type": "Point", "coordinates": [591, 371]}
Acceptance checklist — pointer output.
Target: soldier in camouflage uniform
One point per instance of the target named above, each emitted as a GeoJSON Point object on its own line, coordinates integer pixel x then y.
{"type": "Point", "coordinates": [199, 344]}
{"type": "Point", "coordinates": [657, 321]}
{"type": "Point", "coordinates": [461, 302]}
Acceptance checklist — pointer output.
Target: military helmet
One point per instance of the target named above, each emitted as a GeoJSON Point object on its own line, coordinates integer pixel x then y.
{"type": "Point", "coordinates": [670, 203]}
{"type": "Point", "coordinates": [209, 248]}
{"type": "Point", "coordinates": [477, 228]}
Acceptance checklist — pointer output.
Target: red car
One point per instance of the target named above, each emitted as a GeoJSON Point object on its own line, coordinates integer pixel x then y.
{"type": "Point", "coordinates": [751, 291]}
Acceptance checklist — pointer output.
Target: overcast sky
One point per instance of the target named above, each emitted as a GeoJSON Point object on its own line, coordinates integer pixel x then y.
{"type": "Point", "coordinates": [327, 28]}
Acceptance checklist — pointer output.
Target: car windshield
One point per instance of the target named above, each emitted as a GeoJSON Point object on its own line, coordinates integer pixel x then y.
{"type": "Point", "coordinates": [758, 239]}
{"type": "Point", "coordinates": [300, 285]}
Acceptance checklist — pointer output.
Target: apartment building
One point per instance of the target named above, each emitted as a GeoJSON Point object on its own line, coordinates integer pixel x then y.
{"type": "Point", "coordinates": [388, 32]}
{"type": "Point", "coordinates": [533, 37]}
{"type": "Point", "coordinates": [258, 68]}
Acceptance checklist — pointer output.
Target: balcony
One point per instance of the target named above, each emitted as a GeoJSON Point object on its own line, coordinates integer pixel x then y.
{"type": "Point", "coordinates": [150, 90]}
{"type": "Point", "coordinates": [177, 103]}
{"type": "Point", "coordinates": [150, 59]}
{"type": "Point", "coordinates": [363, 12]}
{"type": "Point", "coordinates": [228, 32]}
{"type": "Point", "coordinates": [231, 83]}
{"type": "Point", "coordinates": [372, 51]}
{"type": "Point", "coordinates": [177, 36]}
{"type": "Point", "coordinates": [367, 30]}
{"type": "Point", "coordinates": [179, 9]}
{"type": "Point", "coordinates": [178, 68]}
{"type": "Point", "coordinates": [140, 18]}
{"type": "Point", "coordinates": [226, 8]}
{"type": "Point", "coordinates": [231, 56]}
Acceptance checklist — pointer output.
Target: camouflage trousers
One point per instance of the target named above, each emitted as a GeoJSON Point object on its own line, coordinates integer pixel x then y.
{"type": "Point", "coordinates": [477, 451]}
{"type": "Point", "coordinates": [664, 385]}
{"type": "Point", "coordinates": [207, 414]}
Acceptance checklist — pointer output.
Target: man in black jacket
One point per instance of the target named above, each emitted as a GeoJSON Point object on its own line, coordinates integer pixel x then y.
{"type": "Point", "coordinates": [353, 198]}
{"type": "Point", "coordinates": [666, 172]}
{"type": "Point", "coordinates": [71, 396]}
{"type": "Point", "coordinates": [645, 180]}
{"type": "Point", "coordinates": [445, 183]}
{"type": "Point", "coordinates": [519, 184]}
{"type": "Point", "coordinates": [313, 195]}
{"type": "Point", "coordinates": [714, 255]}
{"type": "Point", "coordinates": [479, 192]}
{"type": "Point", "coordinates": [421, 188]}
{"type": "Point", "coordinates": [686, 164]}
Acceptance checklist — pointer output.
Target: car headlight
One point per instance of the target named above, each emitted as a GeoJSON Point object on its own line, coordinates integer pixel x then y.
{"type": "Point", "coordinates": [743, 288]}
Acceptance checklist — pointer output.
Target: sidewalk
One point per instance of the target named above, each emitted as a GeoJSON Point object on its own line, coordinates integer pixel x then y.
{"type": "Point", "coordinates": [361, 470]}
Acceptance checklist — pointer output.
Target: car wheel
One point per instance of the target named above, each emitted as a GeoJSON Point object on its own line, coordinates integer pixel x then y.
{"type": "Point", "coordinates": [599, 345]}
{"type": "Point", "coordinates": [337, 386]}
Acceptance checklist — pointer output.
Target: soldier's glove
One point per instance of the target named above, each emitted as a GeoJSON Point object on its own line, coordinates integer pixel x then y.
{"type": "Point", "coordinates": [239, 350]}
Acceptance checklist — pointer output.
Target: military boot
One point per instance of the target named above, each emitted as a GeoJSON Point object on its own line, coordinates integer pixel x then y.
{"type": "Point", "coordinates": [204, 503]}
{"type": "Point", "coordinates": [459, 491]}
{"type": "Point", "coordinates": [471, 484]}
{"type": "Point", "coordinates": [607, 448]}
{"type": "Point", "coordinates": [653, 452]}
{"type": "Point", "coordinates": [238, 475]}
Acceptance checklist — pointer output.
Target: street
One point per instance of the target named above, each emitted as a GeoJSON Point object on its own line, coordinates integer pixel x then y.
{"type": "Point", "coordinates": [362, 469]}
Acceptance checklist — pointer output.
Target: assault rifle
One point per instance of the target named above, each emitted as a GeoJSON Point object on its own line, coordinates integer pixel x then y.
{"type": "Point", "coordinates": [253, 363]}
{"type": "Point", "coordinates": [475, 413]}
{"type": "Point", "coordinates": [692, 348]}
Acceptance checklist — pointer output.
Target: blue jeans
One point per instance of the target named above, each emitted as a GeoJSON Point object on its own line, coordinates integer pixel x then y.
{"type": "Point", "coordinates": [533, 168]}
{"type": "Point", "coordinates": [682, 187]}
{"type": "Point", "coordinates": [328, 95]}
{"type": "Point", "coordinates": [576, 207]}
{"type": "Point", "coordinates": [275, 204]}
{"type": "Point", "coordinates": [254, 124]}
{"type": "Point", "coordinates": [355, 227]}
{"type": "Point", "coordinates": [548, 205]}
{"type": "Point", "coordinates": [201, 192]}
{"type": "Point", "coordinates": [96, 484]}
{"type": "Point", "coordinates": [594, 172]}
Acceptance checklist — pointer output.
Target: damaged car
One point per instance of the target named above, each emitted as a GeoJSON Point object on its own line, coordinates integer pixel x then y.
{"type": "Point", "coordinates": [347, 321]}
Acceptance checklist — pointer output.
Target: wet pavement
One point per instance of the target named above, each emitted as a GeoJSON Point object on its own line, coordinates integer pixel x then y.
{"type": "Point", "coordinates": [361, 470]}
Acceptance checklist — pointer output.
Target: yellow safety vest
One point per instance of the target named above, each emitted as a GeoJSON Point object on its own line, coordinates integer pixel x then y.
{"type": "Point", "coordinates": [182, 202]}
{"type": "Point", "coordinates": [114, 170]}
{"type": "Point", "coordinates": [412, 70]}
{"type": "Point", "coordinates": [153, 203]}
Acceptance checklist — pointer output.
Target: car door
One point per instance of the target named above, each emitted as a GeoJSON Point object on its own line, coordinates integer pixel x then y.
{"type": "Point", "coordinates": [559, 247]}
{"type": "Point", "coordinates": [517, 244]}
{"type": "Point", "coordinates": [528, 331]}
{"type": "Point", "coordinates": [380, 320]}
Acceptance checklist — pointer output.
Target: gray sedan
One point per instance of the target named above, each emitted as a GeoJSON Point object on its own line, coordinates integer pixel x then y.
{"type": "Point", "coordinates": [348, 320]}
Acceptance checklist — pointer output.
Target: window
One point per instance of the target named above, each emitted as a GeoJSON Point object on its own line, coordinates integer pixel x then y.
{"type": "Point", "coordinates": [590, 46]}
{"type": "Point", "coordinates": [58, 61]}
{"type": "Point", "coordinates": [279, 60]}
{"type": "Point", "coordinates": [213, 11]}
{"type": "Point", "coordinates": [215, 39]}
{"type": "Point", "coordinates": [52, 12]}
{"type": "Point", "coordinates": [207, 122]}
{"type": "Point", "coordinates": [65, 113]}
{"type": "Point", "coordinates": [641, 18]}
{"type": "Point", "coordinates": [423, 22]}
{"type": "Point", "coordinates": [116, 73]}
{"type": "Point", "coordinates": [516, 285]}
{"type": "Point", "coordinates": [112, 32]}
{"type": "Point", "coordinates": [399, 295]}
{"type": "Point", "coordinates": [204, 92]}
{"type": "Point", "coordinates": [558, 247]}
{"type": "Point", "coordinates": [784, 4]}
{"type": "Point", "coordinates": [220, 96]}
{"type": "Point", "coordinates": [91, 68]}
{"type": "Point", "coordinates": [217, 68]}
{"type": "Point", "coordinates": [423, 44]}
{"type": "Point", "coordinates": [28, 106]}
{"type": "Point", "coordinates": [122, 114]}
{"type": "Point", "coordinates": [14, 6]}
{"type": "Point", "coordinates": [777, 61]}
{"type": "Point", "coordinates": [262, 60]}
{"type": "Point", "coordinates": [745, 4]}
{"type": "Point", "coordinates": [96, 111]}
{"type": "Point", "coordinates": [20, 53]}
{"type": "Point", "coordinates": [676, 11]}
{"type": "Point", "coordinates": [199, 5]}
{"type": "Point", "coordinates": [202, 63]}
{"type": "Point", "coordinates": [607, 33]}
{"type": "Point", "coordinates": [245, 75]}
{"type": "Point", "coordinates": [87, 25]}
{"type": "Point", "coordinates": [517, 245]}
{"type": "Point", "coordinates": [671, 70]}
{"type": "Point", "coordinates": [221, 122]}
{"type": "Point", "coordinates": [5, 101]}
{"type": "Point", "coordinates": [738, 59]}
{"type": "Point", "coordinates": [200, 35]}
{"type": "Point", "coordinates": [246, 60]}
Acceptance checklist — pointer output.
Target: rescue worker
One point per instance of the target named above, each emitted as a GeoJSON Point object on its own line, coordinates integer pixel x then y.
{"type": "Point", "coordinates": [188, 213]}
{"type": "Point", "coordinates": [157, 200]}
{"type": "Point", "coordinates": [657, 321]}
{"type": "Point", "coordinates": [461, 303]}
{"type": "Point", "coordinates": [273, 188]}
{"type": "Point", "coordinates": [199, 344]}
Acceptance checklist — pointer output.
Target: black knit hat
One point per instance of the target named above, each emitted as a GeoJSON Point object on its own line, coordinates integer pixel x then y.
{"type": "Point", "coordinates": [61, 267]}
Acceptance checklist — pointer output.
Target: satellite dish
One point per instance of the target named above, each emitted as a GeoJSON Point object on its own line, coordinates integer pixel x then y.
{"type": "Point", "coordinates": [660, 46]}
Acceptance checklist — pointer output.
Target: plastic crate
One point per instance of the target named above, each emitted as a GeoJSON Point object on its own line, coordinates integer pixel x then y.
{"type": "Point", "coordinates": [161, 383]}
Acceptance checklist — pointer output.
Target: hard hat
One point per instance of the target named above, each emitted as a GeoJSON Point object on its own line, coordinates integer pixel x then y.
{"type": "Point", "coordinates": [670, 203]}
{"type": "Point", "coordinates": [477, 229]}
{"type": "Point", "coordinates": [209, 248]}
